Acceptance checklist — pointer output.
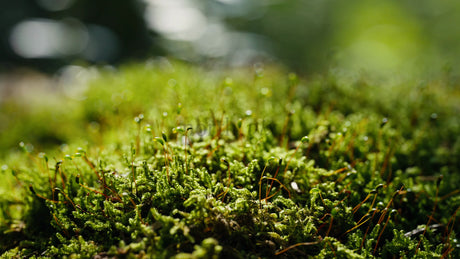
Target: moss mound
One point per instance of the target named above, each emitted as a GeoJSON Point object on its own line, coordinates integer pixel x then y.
{"type": "Point", "coordinates": [167, 160]}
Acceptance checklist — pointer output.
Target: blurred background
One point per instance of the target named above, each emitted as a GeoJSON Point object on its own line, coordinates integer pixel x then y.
{"type": "Point", "coordinates": [397, 38]}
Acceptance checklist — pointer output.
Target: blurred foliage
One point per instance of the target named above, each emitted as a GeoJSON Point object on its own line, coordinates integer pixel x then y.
{"type": "Point", "coordinates": [130, 37]}
{"type": "Point", "coordinates": [388, 40]}
{"type": "Point", "coordinates": [272, 164]}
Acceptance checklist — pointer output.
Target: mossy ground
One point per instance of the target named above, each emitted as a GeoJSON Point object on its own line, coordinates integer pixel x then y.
{"type": "Point", "coordinates": [164, 160]}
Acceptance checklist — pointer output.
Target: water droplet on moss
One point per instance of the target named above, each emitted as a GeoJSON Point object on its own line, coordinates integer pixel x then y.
{"type": "Point", "coordinates": [384, 121]}
{"type": "Point", "coordinates": [295, 187]}
{"type": "Point", "coordinates": [304, 139]}
{"type": "Point", "coordinates": [43, 155]}
{"type": "Point", "coordinates": [248, 113]}
{"type": "Point", "coordinates": [139, 118]}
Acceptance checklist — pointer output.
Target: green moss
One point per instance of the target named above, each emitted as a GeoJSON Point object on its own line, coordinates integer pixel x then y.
{"type": "Point", "coordinates": [186, 163]}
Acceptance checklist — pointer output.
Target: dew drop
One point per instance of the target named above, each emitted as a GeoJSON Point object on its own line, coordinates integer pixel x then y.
{"type": "Point", "coordinates": [384, 121]}
{"type": "Point", "coordinates": [295, 187]}
{"type": "Point", "coordinates": [248, 113]}
{"type": "Point", "coordinates": [304, 139]}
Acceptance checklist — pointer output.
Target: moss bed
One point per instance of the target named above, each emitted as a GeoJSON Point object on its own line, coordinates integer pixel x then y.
{"type": "Point", "coordinates": [163, 160]}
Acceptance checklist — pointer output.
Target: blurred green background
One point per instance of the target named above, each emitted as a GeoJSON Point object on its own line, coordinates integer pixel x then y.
{"type": "Point", "coordinates": [397, 38]}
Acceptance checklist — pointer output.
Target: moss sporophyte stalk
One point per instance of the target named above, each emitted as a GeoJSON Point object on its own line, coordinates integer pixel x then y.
{"type": "Point", "coordinates": [186, 171]}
